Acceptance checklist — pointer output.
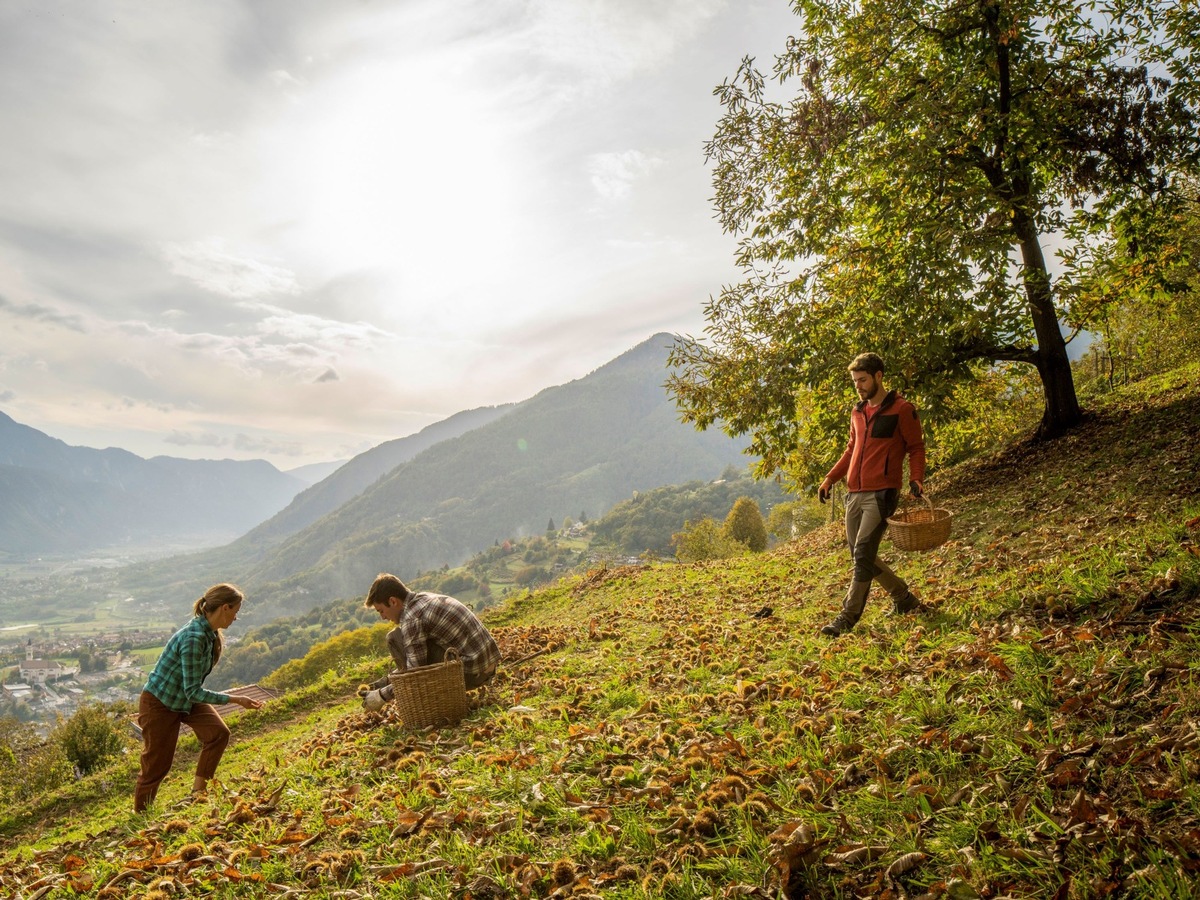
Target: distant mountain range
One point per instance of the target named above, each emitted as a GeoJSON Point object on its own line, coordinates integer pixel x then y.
{"type": "Point", "coordinates": [420, 503]}
{"type": "Point", "coordinates": [313, 472]}
{"type": "Point", "coordinates": [58, 499]}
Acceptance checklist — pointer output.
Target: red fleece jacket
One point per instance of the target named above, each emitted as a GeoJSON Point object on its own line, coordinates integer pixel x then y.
{"type": "Point", "coordinates": [879, 439]}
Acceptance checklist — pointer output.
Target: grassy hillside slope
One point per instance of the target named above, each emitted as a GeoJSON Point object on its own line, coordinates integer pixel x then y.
{"type": "Point", "coordinates": [1034, 733]}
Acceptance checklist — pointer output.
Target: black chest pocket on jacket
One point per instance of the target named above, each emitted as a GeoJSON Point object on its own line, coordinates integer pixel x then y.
{"type": "Point", "coordinates": [884, 426]}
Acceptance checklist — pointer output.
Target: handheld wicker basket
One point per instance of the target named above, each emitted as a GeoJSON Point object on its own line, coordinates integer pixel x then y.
{"type": "Point", "coordinates": [431, 695]}
{"type": "Point", "coordinates": [920, 529]}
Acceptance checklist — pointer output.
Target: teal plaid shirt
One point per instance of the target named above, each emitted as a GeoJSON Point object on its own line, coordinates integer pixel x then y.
{"type": "Point", "coordinates": [178, 676]}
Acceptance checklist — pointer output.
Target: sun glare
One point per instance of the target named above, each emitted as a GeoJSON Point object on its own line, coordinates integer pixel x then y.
{"type": "Point", "coordinates": [387, 177]}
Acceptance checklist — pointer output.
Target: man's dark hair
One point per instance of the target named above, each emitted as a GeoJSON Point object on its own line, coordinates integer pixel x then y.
{"type": "Point", "coordinates": [871, 363]}
{"type": "Point", "coordinates": [385, 588]}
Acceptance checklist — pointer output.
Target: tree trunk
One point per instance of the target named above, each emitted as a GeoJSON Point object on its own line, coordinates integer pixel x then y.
{"type": "Point", "coordinates": [1011, 181]}
{"type": "Point", "coordinates": [1062, 410]}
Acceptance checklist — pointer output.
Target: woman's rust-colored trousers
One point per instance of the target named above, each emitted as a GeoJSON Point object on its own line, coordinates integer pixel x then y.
{"type": "Point", "coordinates": [160, 733]}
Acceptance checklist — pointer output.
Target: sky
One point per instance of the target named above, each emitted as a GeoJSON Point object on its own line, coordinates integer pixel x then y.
{"type": "Point", "coordinates": [294, 229]}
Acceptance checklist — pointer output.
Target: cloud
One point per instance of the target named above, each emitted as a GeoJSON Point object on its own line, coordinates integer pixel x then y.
{"type": "Point", "coordinates": [195, 439]}
{"type": "Point", "coordinates": [214, 140]}
{"type": "Point", "coordinates": [613, 39]}
{"type": "Point", "coordinates": [270, 446]}
{"type": "Point", "coordinates": [6, 396]}
{"type": "Point", "coordinates": [238, 441]}
{"type": "Point", "coordinates": [36, 312]}
{"type": "Point", "coordinates": [280, 344]}
{"type": "Point", "coordinates": [210, 265]}
{"type": "Point", "coordinates": [613, 175]}
{"type": "Point", "coordinates": [245, 218]}
{"type": "Point", "coordinates": [278, 322]}
{"type": "Point", "coordinates": [284, 78]}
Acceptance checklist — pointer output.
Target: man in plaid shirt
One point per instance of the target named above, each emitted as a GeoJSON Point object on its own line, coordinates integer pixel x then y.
{"type": "Point", "coordinates": [427, 625]}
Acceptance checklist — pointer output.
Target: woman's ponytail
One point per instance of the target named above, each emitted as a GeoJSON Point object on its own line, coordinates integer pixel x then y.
{"type": "Point", "coordinates": [214, 598]}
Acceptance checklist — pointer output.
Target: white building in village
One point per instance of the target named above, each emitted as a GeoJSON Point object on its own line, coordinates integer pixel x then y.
{"type": "Point", "coordinates": [41, 671]}
{"type": "Point", "coordinates": [18, 691]}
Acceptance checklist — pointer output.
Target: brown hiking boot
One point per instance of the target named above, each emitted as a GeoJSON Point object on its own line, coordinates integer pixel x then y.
{"type": "Point", "coordinates": [910, 603]}
{"type": "Point", "coordinates": [839, 625]}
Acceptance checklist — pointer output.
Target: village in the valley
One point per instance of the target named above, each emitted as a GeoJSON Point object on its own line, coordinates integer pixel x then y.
{"type": "Point", "coordinates": [45, 678]}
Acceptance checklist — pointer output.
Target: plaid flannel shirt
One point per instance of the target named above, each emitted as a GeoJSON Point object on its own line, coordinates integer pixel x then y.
{"type": "Point", "coordinates": [178, 676]}
{"type": "Point", "coordinates": [447, 622]}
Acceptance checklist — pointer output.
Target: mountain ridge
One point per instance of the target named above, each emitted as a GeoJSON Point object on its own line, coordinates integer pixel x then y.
{"type": "Point", "coordinates": [357, 474]}
{"type": "Point", "coordinates": [573, 448]}
{"type": "Point", "coordinates": [61, 499]}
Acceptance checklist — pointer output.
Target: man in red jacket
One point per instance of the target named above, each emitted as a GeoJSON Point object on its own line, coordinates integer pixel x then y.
{"type": "Point", "coordinates": [884, 428]}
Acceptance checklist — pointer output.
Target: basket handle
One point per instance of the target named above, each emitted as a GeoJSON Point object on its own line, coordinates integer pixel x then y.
{"type": "Point", "coordinates": [924, 496]}
{"type": "Point", "coordinates": [451, 656]}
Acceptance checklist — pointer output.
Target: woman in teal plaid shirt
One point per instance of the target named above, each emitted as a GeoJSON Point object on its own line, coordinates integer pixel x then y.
{"type": "Point", "coordinates": [174, 695]}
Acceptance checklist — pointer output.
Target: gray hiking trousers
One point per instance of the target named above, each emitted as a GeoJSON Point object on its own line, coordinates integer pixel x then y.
{"type": "Point", "coordinates": [866, 521]}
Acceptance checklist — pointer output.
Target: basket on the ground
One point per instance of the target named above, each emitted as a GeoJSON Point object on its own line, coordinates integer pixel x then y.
{"type": "Point", "coordinates": [431, 695]}
{"type": "Point", "coordinates": [920, 528]}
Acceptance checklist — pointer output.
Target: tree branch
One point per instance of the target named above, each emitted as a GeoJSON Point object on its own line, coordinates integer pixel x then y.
{"type": "Point", "coordinates": [995, 353]}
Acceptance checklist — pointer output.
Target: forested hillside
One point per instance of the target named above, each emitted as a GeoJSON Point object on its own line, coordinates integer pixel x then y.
{"type": "Point", "coordinates": [646, 523]}
{"type": "Point", "coordinates": [572, 450]}
{"type": "Point", "coordinates": [358, 474]}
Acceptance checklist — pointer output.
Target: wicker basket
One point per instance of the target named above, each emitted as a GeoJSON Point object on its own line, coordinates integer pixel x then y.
{"type": "Point", "coordinates": [431, 695]}
{"type": "Point", "coordinates": [920, 529]}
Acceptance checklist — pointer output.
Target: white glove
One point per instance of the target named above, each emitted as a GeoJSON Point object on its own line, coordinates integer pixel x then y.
{"type": "Point", "coordinates": [373, 701]}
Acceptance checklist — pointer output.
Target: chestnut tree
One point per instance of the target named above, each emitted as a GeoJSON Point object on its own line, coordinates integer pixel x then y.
{"type": "Point", "coordinates": [935, 180]}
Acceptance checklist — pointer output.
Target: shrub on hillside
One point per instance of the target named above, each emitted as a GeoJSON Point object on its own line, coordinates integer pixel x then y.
{"type": "Point", "coordinates": [528, 576]}
{"type": "Point", "coordinates": [336, 654]}
{"type": "Point", "coordinates": [705, 540]}
{"type": "Point", "coordinates": [745, 525]}
{"type": "Point", "coordinates": [93, 736]}
{"type": "Point", "coordinates": [245, 661]}
{"type": "Point", "coordinates": [790, 520]}
{"type": "Point", "coordinates": [29, 764]}
{"type": "Point", "coordinates": [647, 521]}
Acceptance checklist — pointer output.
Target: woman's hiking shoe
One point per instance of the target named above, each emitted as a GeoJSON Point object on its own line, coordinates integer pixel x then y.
{"type": "Point", "coordinates": [910, 603]}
